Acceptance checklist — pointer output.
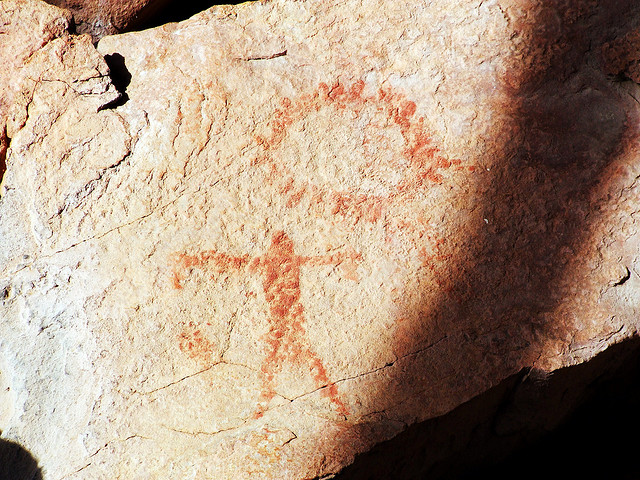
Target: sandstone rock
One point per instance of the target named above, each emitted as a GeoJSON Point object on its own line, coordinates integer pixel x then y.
{"type": "Point", "coordinates": [305, 226]}
{"type": "Point", "coordinates": [23, 31]}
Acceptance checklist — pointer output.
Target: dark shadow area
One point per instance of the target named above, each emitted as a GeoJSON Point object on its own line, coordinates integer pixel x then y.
{"type": "Point", "coordinates": [580, 421]}
{"type": "Point", "coordinates": [16, 463]}
{"type": "Point", "coordinates": [506, 299]}
{"type": "Point", "coordinates": [161, 12]}
{"type": "Point", "coordinates": [4, 145]}
{"type": "Point", "coordinates": [599, 440]}
{"type": "Point", "coordinates": [121, 78]}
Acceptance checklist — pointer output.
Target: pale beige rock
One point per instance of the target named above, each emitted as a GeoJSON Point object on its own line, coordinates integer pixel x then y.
{"type": "Point", "coordinates": [309, 225]}
{"type": "Point", "coordinates": [25, 27]}
{"type": "Point", "coordinates": [23, 30]}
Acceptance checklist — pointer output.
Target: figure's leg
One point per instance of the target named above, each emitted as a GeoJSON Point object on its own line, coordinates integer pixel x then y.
{"type": "Point", "coordinates": [330, 389]}
{"type": "Point", "coordinates": [295, 340]}
{"type": "Point", "coordinates": [272, 364]}
{"type": "Point", "coordinates": [297, 344]}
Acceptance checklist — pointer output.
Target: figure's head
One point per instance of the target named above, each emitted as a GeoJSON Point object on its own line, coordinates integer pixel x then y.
{"type": "Point", "coordinates": [282, 242]}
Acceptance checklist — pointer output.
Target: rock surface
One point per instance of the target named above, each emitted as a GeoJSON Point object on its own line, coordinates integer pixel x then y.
{"type": "Point", "coordinates": [300, 227]}
{"type": "Point", "coordinates": [23, 30]}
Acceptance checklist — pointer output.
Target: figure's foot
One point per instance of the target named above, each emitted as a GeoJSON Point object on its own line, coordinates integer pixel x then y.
{"type": "Point", "coordinates": [263, 405]}
{"type": "Point", "coordinates": [259, 412]}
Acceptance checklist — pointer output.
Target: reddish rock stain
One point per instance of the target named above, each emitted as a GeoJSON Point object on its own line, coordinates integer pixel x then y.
{"type": "Point", "coordinates": [421, 164]}
{"type": "Point", "coordinates": [280, 266]}
{"type": "Point", "coordinates": [280, 269]}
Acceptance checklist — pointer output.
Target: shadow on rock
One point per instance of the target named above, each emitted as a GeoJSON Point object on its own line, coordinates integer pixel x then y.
{"type": "Point", "coordinates": [16, 463]}
{"type": "Point", "coordinates": [510, 428]}
{"type": "Point", "coordinates": [511, 302]}
{"type": "Point", "coordinates": [121, 78]}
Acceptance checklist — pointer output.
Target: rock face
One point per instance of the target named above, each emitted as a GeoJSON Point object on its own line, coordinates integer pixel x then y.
{"type": "Point", "coordinates": [24, 30]}
{"type": "Point", "coordinates": [300, 227]}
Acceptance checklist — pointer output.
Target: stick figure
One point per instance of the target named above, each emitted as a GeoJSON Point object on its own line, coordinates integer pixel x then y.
{"type": "Point", "coordinates": [279, 268]}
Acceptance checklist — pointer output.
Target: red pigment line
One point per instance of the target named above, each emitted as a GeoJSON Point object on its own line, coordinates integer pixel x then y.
{"type": "Point", "coordinates": [183, 262]}
{"type": "Point", "coordinates": [280, 268]}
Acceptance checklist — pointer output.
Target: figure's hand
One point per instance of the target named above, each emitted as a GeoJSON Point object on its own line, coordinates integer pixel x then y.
{"type": "Point", "coordinates": [346, 260]}
{"type": "Point", "coordinates": [349, 265]}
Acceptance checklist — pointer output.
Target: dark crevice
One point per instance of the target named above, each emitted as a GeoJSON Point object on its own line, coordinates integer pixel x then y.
{"type": "Point", "coordinates": [161, 12]}
{"type": "Point", "coordinates": [266, 57]}
{"type": "Point", "coordinates": [4, 146]}
{"type": "Point", "coordinates": [73, 25]}
{"type": "Point", "coordinates": [121, 78]}
{"type": "Point", "coordinates": [99, 18]}
{"type": "Point", "coordinates": [5, 293]}
{"type": "Point", "coordinates": [619, 78]}
{"type": "Point", "coordinates": [532, 423]}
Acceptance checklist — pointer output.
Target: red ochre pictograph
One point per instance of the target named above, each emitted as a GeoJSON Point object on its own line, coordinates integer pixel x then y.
{"type": "Point", "coordinates": [421, 162]}
{"type": "Point", "coordinates": [285, 341]}
{"type": "Point", "coordinates": [417, 162]}
{"type": "Point", "coordinates": [420, 165]}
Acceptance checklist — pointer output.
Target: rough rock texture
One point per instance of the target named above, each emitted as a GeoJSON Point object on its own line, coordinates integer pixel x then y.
{"type": "Point", "coordinates": [23, 31]}
{"type": "Point", "coordinates": [107, 17]}
{"type": "Point", "coordinates": [305, 226]}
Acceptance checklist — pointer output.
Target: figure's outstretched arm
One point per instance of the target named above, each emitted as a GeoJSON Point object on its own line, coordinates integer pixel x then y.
{"type": "Point", "coordinates": [221, 261]}
{"type": "Point", "coordinates": [346, 261]}
{"type": "Point", "coordinates": [333, 259]}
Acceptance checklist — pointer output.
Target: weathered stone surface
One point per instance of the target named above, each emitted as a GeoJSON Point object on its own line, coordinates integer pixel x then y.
{"type": "Point", "coordinates": [22, 31]}
{"type": "Point", "coordinates": [307, 225]}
